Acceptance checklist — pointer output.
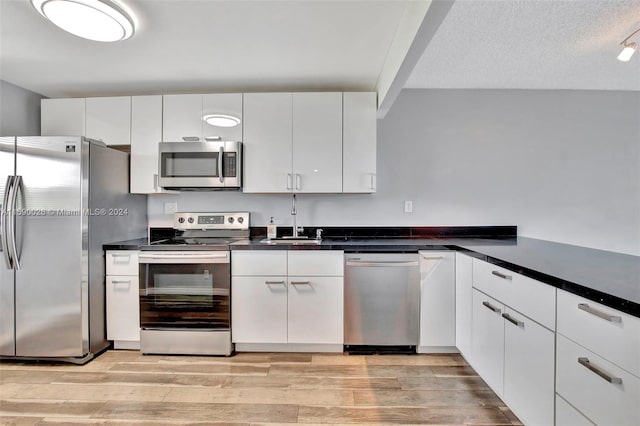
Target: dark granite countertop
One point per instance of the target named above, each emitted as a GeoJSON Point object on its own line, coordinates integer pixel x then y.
{"type": "Point", "coordinates": [127, 245]}
{"type": "Point", "coordinates": [612, 279]}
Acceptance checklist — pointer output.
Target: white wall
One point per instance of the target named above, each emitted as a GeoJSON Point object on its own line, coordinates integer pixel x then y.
{"type": "Point", "coordinates": [562, 165]}
{"type": "Point", "coordinates": [19, 111]}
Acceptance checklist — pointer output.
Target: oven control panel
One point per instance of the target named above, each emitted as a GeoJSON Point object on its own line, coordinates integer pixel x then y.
{"type": "Point", "coordinates": [201, 220]}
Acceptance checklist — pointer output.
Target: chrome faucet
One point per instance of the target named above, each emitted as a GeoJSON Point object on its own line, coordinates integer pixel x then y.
{"type": "Point", "coordinates": [294, 213]}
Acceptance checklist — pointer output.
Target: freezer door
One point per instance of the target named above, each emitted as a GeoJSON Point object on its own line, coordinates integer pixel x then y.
{"type": "Point", "coordinates": [7, 336]}
{"type": "Point", "coordinates": [51, 283]}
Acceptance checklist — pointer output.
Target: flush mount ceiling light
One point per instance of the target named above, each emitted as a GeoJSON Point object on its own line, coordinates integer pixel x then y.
{"type": "Point", "coordinates": [98, 20]}
{"type": "Point", "coordinates": [221, 120]}
{"type": "Point", "coordinates": [629, 48]}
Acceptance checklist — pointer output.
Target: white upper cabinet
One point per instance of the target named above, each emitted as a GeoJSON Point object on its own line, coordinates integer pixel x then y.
{"type": "Point", "coordinates": [62, 117]}
{"type": "Point", "coordinates": [224, 104]}
{"type": "Point", "coordinates": [183, 116]}
{"type": "Point", "coordinates": [109, 120]}
{"type": "Point", "coordinates": [359, 142]}
{"type": "Point", "coordinates": [267, 142]}
{"type": "Point", "coordinates": [293, 142]}
{"type": "Point", "coordinates": [317, 142]}
{"type": "Point", "coordinates": [146, 133]}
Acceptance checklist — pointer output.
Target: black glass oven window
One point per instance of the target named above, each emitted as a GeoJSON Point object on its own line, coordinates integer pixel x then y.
{"type": "Point", "coordinates": [190, 164]}
{"type": "Point", "coordinates": [185, 296]}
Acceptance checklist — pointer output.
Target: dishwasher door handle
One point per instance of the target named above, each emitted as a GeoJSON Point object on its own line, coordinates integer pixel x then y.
{"type": "Point", "coordinates": [383, 264]}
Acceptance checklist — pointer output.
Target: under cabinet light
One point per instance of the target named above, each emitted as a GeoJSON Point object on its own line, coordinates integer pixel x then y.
{"type": "Point", "coordinates": [629, 48]}
{"type": "Point", "coordinates": [97, 20]}
{"type": "Point", "coordinates": [221, 120]}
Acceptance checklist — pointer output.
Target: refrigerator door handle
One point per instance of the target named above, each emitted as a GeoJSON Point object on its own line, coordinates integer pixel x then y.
{"type": "Point", "coordinates": [4, 218]}
{"type": "Point", "coordinates": [17, 186]}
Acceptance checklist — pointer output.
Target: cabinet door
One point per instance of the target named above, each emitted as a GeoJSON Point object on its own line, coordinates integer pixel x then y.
{"type": "Point", "coordinates": [529, 369]}
{"type": "Point", "coordinates": [229, 104]}
{"type": "Point", "coordinates": [109, 120]}
{"type": "Point", "coordinates": [259, 309]}
{"type": "Point", "coordinates": [62, 117]}
{"type": "Point", "coordinates": [359, 142]}
{"type": "Point", "coordinates": [182, 117]}
{"type": "Point", "coordinates": [123, 308]}
{"type": "Point", "coordinates": [267, 142]}
{"type": "Point", "coordinates": [317, 142]}
{"type": "Point", "coordinates": [146, 133]}
{"type": "Point", "coordinates": [464, 298]}
{"type": "Point", "coordinates": [566, 415]}
{"type": "Point", "coordinates": [437, 299]}
{"type": "Point", "coordinates": [487, 342]}
{"type": "Point", "coordinates": [315, 310]}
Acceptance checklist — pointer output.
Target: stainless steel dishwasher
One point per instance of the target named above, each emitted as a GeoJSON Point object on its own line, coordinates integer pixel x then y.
{"type": "Point", "coordinates": [381, 300]}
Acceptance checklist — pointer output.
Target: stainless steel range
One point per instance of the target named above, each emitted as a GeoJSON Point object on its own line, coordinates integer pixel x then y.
{"type": "Point", "coordinates": [185, 284]}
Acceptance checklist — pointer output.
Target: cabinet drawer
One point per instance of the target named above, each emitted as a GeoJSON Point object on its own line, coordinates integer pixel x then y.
{"type": "Point", "coordinates": [256, 263]}
{"type": "Point", "coordinates": [122, 262]}
{"type": "Point", "coordinates": [566, 415]}
{"type": "Point", "coordinates": [316, 263]}
{"type": "Point", "coordinates": [123, 308]}
{"type": "Point", "coordinates": [528, 296]}
{"type": "Point", "coordinates": [602, 402]}
{"type": "Point", "coordinates": [615, 337]}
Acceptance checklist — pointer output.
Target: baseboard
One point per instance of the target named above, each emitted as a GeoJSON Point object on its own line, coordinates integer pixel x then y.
{"type": "Point", "coordinates": [288, 347]}
{"type": "Point", "coordinates": [437, 350]}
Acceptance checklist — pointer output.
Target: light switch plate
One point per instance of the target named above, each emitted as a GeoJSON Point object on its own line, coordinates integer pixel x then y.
{"type": "Point", "coordinates": [408, 206]}
{"type": "Point", "coordinates": [170, 208]}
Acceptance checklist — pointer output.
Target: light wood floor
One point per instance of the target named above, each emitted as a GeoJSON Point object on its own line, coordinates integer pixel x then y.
{"type": "Point", "coordinates": [127, 388]}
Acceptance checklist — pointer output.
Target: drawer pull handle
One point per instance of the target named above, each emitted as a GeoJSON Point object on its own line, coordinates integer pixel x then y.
{"type": "Point", "coordinates": [274, 282]}
{"type": "Point", "coordinates": [501, 275]}
{"type": "Point", "coordinates": [490, 306]}
{"type": "Point", "coordinates": [300, 282]}
{"type": "Point", "coordinates": [114, 282]}
{"type": "Point", "coordinates": [512, 320]}
{"type": "Point", "coordinates": [603, 315]}
{"type": "Point", "coordinates": [433, 257]}
{"type": "Point", "coordinates": [608, 377]}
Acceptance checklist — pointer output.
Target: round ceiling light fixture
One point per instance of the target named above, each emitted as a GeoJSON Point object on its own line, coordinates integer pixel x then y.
{"type": "Point", "coordinates": [221, 120]}
{"type": "Point", "coordinates": [97, 20]}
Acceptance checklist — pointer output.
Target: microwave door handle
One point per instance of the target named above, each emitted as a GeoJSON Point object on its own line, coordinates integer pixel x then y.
{"type": "Point", "coordinates": [220, 154]}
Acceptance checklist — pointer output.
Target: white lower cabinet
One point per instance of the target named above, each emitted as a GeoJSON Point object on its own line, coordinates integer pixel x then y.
{"type": "Point", "coordinates": [122, 299]}
{"type": "Point", "coordinates": [437, 302]}
{"type": "Point", "coordinates": [488, 340]}
{"type": "Point", "coordinates": [464, 302]}
{"type": "Point", "coordinates": [512, 352]}
{"type": "Point", "coordinates": [605, 393]}
{"type": "Point", "coordinates": [259, 309]}
{"type": "Point", "coordinates": [528, 369]}
{"type": "Point", "coordinates": [273, 309]}
{"type": "Point", "coordinates": [315, 310]}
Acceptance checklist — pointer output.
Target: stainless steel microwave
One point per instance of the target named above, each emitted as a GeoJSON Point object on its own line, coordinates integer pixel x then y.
{"type": "Point", "coordinates": [200, 165]}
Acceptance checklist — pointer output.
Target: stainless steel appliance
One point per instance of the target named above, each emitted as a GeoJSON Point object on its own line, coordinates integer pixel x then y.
{"type": "Point", "coordinates": [200, 165]}
{"type": "Point", "coordinates": [185, 284]}
{"type": "Point", "coordinates": [382, 300]}
{"type": "Point", "coordinates": [62, 198]}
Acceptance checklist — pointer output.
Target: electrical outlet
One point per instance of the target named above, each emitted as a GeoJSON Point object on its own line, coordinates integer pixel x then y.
{"type": "Point", "coordinates": [408, 206]}
{"type": "Point", "coordinates": [170, 208]}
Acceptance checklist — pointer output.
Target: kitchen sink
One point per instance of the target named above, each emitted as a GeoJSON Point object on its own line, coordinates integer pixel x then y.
{"type": "Point", "coordinates": [290, 241]}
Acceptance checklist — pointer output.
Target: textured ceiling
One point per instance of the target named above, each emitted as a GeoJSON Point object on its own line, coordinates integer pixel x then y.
{"type": "Point", "coordinates": [205, 45]}
{"type": "Point", "coordinates": [543, 44]}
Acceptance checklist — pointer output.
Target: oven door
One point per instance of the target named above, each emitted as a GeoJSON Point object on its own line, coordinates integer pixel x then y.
{"type": "Point", "coordinates": [185, 290]}
{"type": "Point", "coordinates": [200, 165]}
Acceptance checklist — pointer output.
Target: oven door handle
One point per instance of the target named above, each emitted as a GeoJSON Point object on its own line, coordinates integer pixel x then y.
{"type": "Point", "coordinates": [222, 257]}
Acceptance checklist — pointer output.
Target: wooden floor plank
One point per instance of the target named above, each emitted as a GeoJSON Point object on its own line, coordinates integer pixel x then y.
{"type": "Point", "coordinates": [128, 388]}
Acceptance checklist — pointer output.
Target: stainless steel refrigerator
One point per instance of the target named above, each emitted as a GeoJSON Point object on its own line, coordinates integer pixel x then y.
{"type": "Point", "coordinates": [62, 198]}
